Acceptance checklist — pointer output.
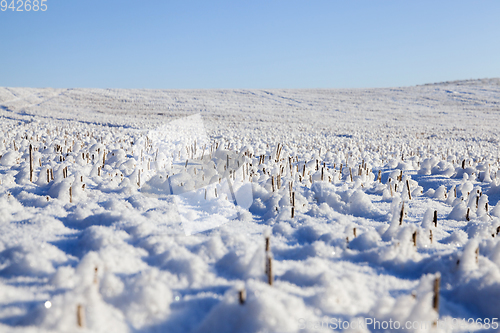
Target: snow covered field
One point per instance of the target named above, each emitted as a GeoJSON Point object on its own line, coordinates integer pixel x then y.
{"type": "Point", "coordinates": [394, 194]}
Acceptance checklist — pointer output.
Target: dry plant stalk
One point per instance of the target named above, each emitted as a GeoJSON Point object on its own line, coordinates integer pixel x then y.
{"type": "Point", "coordinates": [31, 163]}
{"type": "Point", "coordinates": [269, 269]}
{"type": "Point", "coordinates": [435, 301]}
{"type": "Point", "coordinates": [80, 315]}
{"type": "Point", "coordinates": [242, 296]}
{"type": "Point", "coordinates": [435, 219]}
{"type": "Point", "coordinates": [401, 215]}
{"type": "Point", "coordinates": [408, 187]}
{"type": "Point", "coordinates": [414, 238]}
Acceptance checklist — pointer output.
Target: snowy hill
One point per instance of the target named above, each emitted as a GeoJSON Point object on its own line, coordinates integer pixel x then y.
{"type": "Point", "coordinates": [148, 210]}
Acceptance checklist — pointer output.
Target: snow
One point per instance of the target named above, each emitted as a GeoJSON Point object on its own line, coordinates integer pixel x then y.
{"type": "Point", "coordinates": [148, 210]}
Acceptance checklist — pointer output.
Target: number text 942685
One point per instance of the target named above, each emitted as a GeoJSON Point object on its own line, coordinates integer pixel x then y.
{"type": "Point", "coordinates": [23, 5]}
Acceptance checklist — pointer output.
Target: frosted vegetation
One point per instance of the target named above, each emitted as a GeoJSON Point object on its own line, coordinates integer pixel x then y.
{"type": "Point", "coordinates": [370, 200]}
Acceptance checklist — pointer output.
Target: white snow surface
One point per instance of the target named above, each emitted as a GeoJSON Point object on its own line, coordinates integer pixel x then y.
{"type": "Point", "coordinates": [133, 221]}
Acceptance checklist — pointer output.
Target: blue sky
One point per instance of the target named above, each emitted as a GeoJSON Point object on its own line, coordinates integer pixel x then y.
{"type": "Point", "coordinates": [248, 44]}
